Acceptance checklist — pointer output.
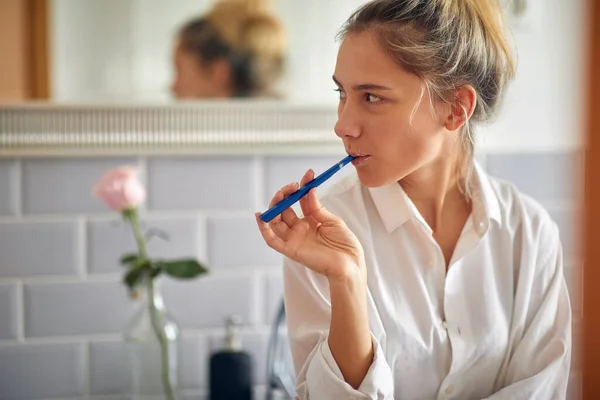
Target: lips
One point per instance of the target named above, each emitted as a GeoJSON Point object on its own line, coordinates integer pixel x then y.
{"type": "Point", "coordinates": [359, 158]}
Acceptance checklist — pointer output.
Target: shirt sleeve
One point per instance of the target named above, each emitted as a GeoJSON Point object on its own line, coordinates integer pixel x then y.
{"type": "Point", "coordinates": [540, 363]}
{"type": "Point", "coordinates": [308, 314]}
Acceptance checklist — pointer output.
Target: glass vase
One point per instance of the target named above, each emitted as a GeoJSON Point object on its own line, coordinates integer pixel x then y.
{"type": "Point", "coordinates": [152, 340]}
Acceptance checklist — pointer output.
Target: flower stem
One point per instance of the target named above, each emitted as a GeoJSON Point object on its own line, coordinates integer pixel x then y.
{"type": "Point", "coordinates": [131, 214]}
{"type": "Point", "coordinates": [164, 349]}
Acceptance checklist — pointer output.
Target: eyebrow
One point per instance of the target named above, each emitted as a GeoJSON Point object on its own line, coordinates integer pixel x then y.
{"type": "Point", "coordinates": [363, 86]}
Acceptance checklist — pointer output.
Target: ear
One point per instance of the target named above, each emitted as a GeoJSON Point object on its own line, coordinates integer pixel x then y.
{"type": "Point", "coordinates": [465, 100]}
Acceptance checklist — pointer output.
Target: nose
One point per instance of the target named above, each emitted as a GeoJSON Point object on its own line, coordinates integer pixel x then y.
{"type": "Point", "coordinates": [175, 88]}
{"type": "Point", "coordinates": [347, 124]}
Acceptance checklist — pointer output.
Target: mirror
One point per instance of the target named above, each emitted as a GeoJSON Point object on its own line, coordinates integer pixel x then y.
{"type": "Point", "coordinates": [104, 50]}
{"type": "Point", "coordinates": [123, 50]}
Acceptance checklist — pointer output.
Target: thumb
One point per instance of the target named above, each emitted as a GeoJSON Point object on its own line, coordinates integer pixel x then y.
{"type": "Point", "coordinates": [317, 210]}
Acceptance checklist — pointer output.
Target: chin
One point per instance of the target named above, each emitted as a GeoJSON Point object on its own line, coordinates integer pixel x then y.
{"type": "Point", "coordinates": [375, 178]}
{"type": "Point", "coordinates": [370, 179]}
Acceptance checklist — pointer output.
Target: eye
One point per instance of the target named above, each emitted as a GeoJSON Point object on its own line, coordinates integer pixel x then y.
{"type": "Point", "coordinates": [341, 93]}
{"type": "Point", "coordinates": [371, 98]}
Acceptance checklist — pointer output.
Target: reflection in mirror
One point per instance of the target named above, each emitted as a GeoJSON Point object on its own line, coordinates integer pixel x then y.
{"type": "Point", "coordinates": [129, 50]}
{"type": "Point", "coordinates": [235, 50]}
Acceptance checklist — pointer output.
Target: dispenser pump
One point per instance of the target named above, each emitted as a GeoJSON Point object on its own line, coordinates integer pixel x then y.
{"type": "Point", "coordinates": [232, 338]}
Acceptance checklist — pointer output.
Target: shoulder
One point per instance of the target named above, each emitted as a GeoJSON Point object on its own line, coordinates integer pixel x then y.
{"type": "Point", "coordinates": [522, 215]}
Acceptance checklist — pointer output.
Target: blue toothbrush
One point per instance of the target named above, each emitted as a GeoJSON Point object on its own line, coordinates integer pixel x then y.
{"type": "Point", "coordinates": [284, 204]}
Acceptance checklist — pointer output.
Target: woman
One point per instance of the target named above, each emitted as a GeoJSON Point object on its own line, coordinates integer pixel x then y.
{"type": "Point", "coordinates": [235, 50]}
{"type": "Point", "coordinates": [420, 277]}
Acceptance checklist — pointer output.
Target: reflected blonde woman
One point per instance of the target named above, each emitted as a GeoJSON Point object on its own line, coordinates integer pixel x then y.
{"type": "Point", "coordinates": [237, 49]}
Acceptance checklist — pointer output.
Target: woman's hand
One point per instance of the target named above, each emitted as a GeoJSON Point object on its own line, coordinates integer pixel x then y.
{"type": "Point", "coordinates": [320, 240]}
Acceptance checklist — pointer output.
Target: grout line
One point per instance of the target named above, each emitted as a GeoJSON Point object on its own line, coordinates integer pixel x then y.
{"type": "Point", "coordinates": [20, 312]}
{"type": "Point", "coordinates": [18, 187]}
{"type": "Point", "coordinates": [260, 179]}
{"type": "Point", "coordinates": [149, 215]}
{"type": "Point", "coordinates": [259, 294]}
{"type": "Point", "coordinates": [82, 248]}
{"type": "Point", "coordinates": [73, 339]}
{"type": "Point", "coordinates": [143, 170]}
{"type": "Point", "coordinates": [202, 246]}
{"type": "Point", "coordinates": [63, 279]}
{"type": "Point", "coordinates": [39, 218]}
{"type": "Point", "coordinates": [85, 359]}
{"type": "Point", "coordinates": [187, 333]}
{"type": "Point", "coordinates": [246, 271]}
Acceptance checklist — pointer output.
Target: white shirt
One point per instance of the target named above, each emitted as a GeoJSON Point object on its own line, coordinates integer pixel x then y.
{"type": "Point", "coordinates": [496, 326]}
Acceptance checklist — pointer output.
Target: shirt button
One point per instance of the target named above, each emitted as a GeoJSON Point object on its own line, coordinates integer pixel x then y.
{"type": "Point", "coordinates": [449, 389]}
{"type": "Point", "coordinates": [432, 262]}
{"type": "Point", "coordinates": [444, 325]}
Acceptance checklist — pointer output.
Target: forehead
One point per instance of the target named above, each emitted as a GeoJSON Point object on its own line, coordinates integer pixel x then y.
{"type": "Point", "coordinates": [361, 58]}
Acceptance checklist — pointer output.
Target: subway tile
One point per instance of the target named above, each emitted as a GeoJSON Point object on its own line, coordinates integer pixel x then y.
{"type": "Point", "coordinates": [254, 343]}
{"type": "Point", "coordinates": [41, 371]}
{"type": "Point", "coordinates": [194, 396]}
{"type": "Point", "coordinates": [207, 301]}
{"type": "Point", "coordinates": [236, 242]}
{"type": "Point", "coordinates": [8, 187]}
{"type": "Point", "coordinates": [75, 308]}
{"type": "Point", "coordinates": [109, 368]}
{"type": "Point", "coordinates": [38, 248]}
{"type": "Point", "coordinates": [65, 185]}
{"type": "Point", "coordinates": [544, 176]}
{"type": "Point", "coordinates": [9, 320]}
{"type": "Point", "coordinates": [108, 241]}
{"type": "Point", "coordinates": [273, 297]}
{"type": "Point", "coordinates": [222, 183]}
{"type": "Point", "coordinates": [194, 363]}
{"type": "Point", "coordinates": [283, 170]}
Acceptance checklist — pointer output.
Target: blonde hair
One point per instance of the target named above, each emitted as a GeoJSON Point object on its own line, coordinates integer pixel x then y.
{"type": "Point", "coordinates": [248, 36]}
{"type": "Point", "coordinates": [448, 44]}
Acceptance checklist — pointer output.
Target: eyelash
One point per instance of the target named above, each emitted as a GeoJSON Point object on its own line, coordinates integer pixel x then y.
{"type": "Point", "coordinates": [367, 95]}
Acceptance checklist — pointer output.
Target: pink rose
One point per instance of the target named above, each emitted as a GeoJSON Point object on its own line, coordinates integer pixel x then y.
{"type": "Point", "coordinates": [120, 189]}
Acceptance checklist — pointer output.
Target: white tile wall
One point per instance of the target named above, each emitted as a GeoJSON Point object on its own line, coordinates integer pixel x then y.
{"type": "Point", "coordinates": [108, 240]}
{"type": "Point", "coordinates": [62, 306]}
{"type": "Point", "coordinates": [8, 195]}
{"type": "Point", "coordinates": [33, 248]}
{"type": "Point", "coordinates": [42, 371]}
{"type": "Point", "coordinates": [9, 314]}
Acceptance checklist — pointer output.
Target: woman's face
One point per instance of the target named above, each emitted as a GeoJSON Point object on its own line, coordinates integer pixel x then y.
{"type": "Point", "coordinates": [377, 98]}
{"type": "Point", "coordinates": [192, 80]}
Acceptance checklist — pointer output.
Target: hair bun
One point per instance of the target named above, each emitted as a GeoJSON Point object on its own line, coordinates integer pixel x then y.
{"type": "Point", "coordinates": [262, 36]}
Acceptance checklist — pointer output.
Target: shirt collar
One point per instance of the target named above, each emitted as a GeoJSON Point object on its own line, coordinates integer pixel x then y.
{"type": "Point", "coordinates": [395, 207]}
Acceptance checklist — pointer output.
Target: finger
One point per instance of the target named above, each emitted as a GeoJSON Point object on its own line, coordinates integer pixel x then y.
{"type": "Point", "coordinates": [289, 215]}
{"type": "Point", "coordinates": [283, 221]}
{"type": "Point", "coordinates": [308, 176]}
{"type": "Point", "coordinates": [272, 240]}
{"type": "Point", "coordinates": [317, 210]}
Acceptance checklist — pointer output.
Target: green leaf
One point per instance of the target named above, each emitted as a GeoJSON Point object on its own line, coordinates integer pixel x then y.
{"type": "Point", "coordinates": [186, 268]}
{"type": "Point", "coordinates": [138, 268]}
{"type": "Point", "coordinates": [129, 258]}
{"type": "Point", "coordinates": [155, 271]}
{"type": "Point", "coordinates": [132, 277]}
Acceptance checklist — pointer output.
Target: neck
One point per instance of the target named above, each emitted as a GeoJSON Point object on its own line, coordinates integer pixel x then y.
{"type": "Point", "coordinates": [434, 188]}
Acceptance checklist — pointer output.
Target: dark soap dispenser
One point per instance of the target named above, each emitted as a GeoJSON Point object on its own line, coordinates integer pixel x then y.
{"type": "Point", "coordinates": [230, 369]}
